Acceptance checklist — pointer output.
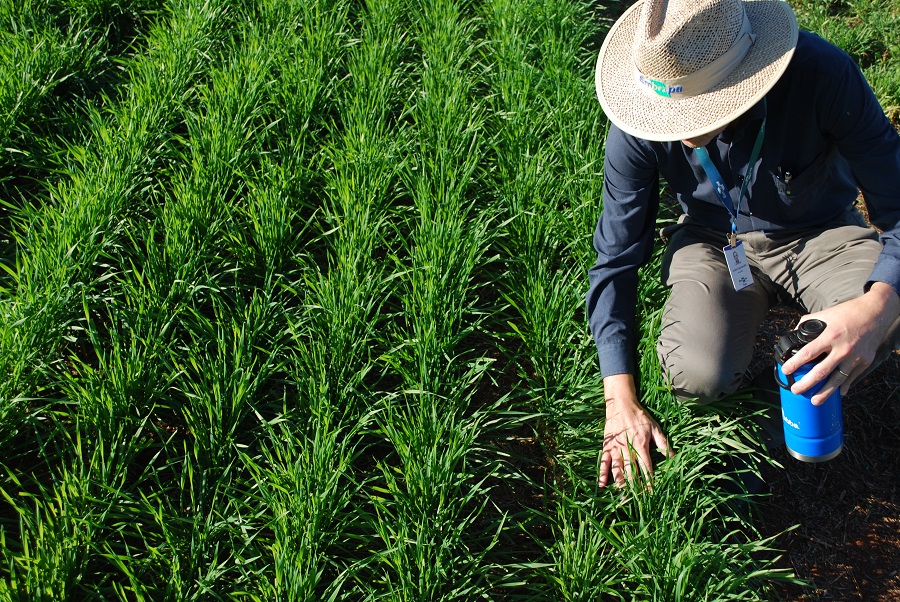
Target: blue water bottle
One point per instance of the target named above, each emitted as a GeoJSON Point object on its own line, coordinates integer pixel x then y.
{"type": "Point", "coordinates": [811, 433]}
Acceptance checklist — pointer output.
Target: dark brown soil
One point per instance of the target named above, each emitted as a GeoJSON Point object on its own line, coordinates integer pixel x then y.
{"type": "Point", "coordinates": [846, 544]}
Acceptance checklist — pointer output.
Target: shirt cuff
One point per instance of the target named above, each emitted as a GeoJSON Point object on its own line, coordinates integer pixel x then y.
{"type": "Point", "coordinates": [887, 270]}
{"type": "Point", "coordinates": [616, 358]}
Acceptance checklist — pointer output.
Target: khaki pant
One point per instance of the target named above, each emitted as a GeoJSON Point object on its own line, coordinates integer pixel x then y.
{"type": "Point", "coordinates": [709, 329]}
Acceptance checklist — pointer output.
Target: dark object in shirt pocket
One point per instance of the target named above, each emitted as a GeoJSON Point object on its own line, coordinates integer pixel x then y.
{"type": "Point", "coordinates": [800, 191]}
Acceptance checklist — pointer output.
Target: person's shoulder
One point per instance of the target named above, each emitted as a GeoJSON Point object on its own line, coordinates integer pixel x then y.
{"type": "Point", "coordinates": [815, 53]}
{"type": "Point", "coordinates": [620, 141]}
{"type": "Point", "coordinates": [816, 67]}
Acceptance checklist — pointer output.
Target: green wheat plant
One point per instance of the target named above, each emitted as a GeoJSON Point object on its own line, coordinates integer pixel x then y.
{"type": "Point", "coordinates": [292, 308]}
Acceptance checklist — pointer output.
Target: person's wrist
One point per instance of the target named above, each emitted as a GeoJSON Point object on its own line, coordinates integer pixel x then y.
{"type": "Point", "coordinates": [887, 297]}
{"type": "Point", "coordinates": [617, 386]}
{"type": "Point", "coordinates": [620, 394]}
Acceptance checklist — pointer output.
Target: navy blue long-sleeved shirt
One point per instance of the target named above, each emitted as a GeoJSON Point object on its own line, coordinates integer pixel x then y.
{"type": "Point", "coordinates": [823, 126]}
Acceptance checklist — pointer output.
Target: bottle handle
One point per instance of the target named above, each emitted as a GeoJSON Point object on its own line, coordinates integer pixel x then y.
{"type": "Point", "coordinates": [790, 378]}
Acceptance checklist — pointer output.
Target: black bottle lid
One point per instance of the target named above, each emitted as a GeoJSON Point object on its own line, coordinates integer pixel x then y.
{"type": "Point", "coordinates": [789, 343]}
{"type": "Point", "coordinates": [809, 330]}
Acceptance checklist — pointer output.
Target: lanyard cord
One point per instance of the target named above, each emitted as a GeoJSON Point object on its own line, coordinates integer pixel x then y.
{"type": "Point", "coordinates": [716, 178]}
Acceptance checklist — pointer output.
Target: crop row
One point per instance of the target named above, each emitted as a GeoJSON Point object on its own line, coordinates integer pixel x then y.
{"type": "Point", "coordinates": [292, 310]}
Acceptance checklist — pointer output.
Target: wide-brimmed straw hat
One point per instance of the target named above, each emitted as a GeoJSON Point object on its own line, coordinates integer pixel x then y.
{"type": "Point", "coordinates": [677, 69]}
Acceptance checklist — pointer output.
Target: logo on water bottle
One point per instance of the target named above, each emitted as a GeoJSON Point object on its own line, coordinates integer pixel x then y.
{"type": "Point", "coordinates": [789, 421]}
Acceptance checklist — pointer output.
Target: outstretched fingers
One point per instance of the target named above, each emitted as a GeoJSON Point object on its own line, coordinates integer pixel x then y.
{"type": "Point", "coordinates": [627, 457]}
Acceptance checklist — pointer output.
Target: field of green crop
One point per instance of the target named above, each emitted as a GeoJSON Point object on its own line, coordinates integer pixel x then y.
{"type": "Point", "coordinates": [291, 308]}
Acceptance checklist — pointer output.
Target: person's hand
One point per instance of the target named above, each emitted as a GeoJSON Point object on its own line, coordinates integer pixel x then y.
{"type": "Point", "coordinates": [628, 434]}
{"type": "Point", "coordinates": [855, 329]}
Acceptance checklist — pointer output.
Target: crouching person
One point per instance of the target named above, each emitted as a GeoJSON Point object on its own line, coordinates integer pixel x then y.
{"type": "Point", "coordinates": [766, 135]}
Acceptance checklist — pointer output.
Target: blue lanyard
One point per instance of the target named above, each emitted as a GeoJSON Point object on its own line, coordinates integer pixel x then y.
{"type": "Point", "coordinates": [716, 178]}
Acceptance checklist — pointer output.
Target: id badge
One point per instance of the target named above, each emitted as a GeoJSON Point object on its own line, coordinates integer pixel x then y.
{"type": "Point", "coordinates": [738, 267]}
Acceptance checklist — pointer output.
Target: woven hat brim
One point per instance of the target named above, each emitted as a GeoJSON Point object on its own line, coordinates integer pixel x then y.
{"type": "Point", "coordinates": [670, 119]}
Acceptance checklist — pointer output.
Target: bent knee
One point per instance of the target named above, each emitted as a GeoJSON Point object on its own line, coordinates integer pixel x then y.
{"type": "Point", "coordinates": [701, 383]}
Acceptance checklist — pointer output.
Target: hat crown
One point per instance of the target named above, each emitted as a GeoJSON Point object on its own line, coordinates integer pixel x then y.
{"type": "Point", "coordinates": [675, 38]}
